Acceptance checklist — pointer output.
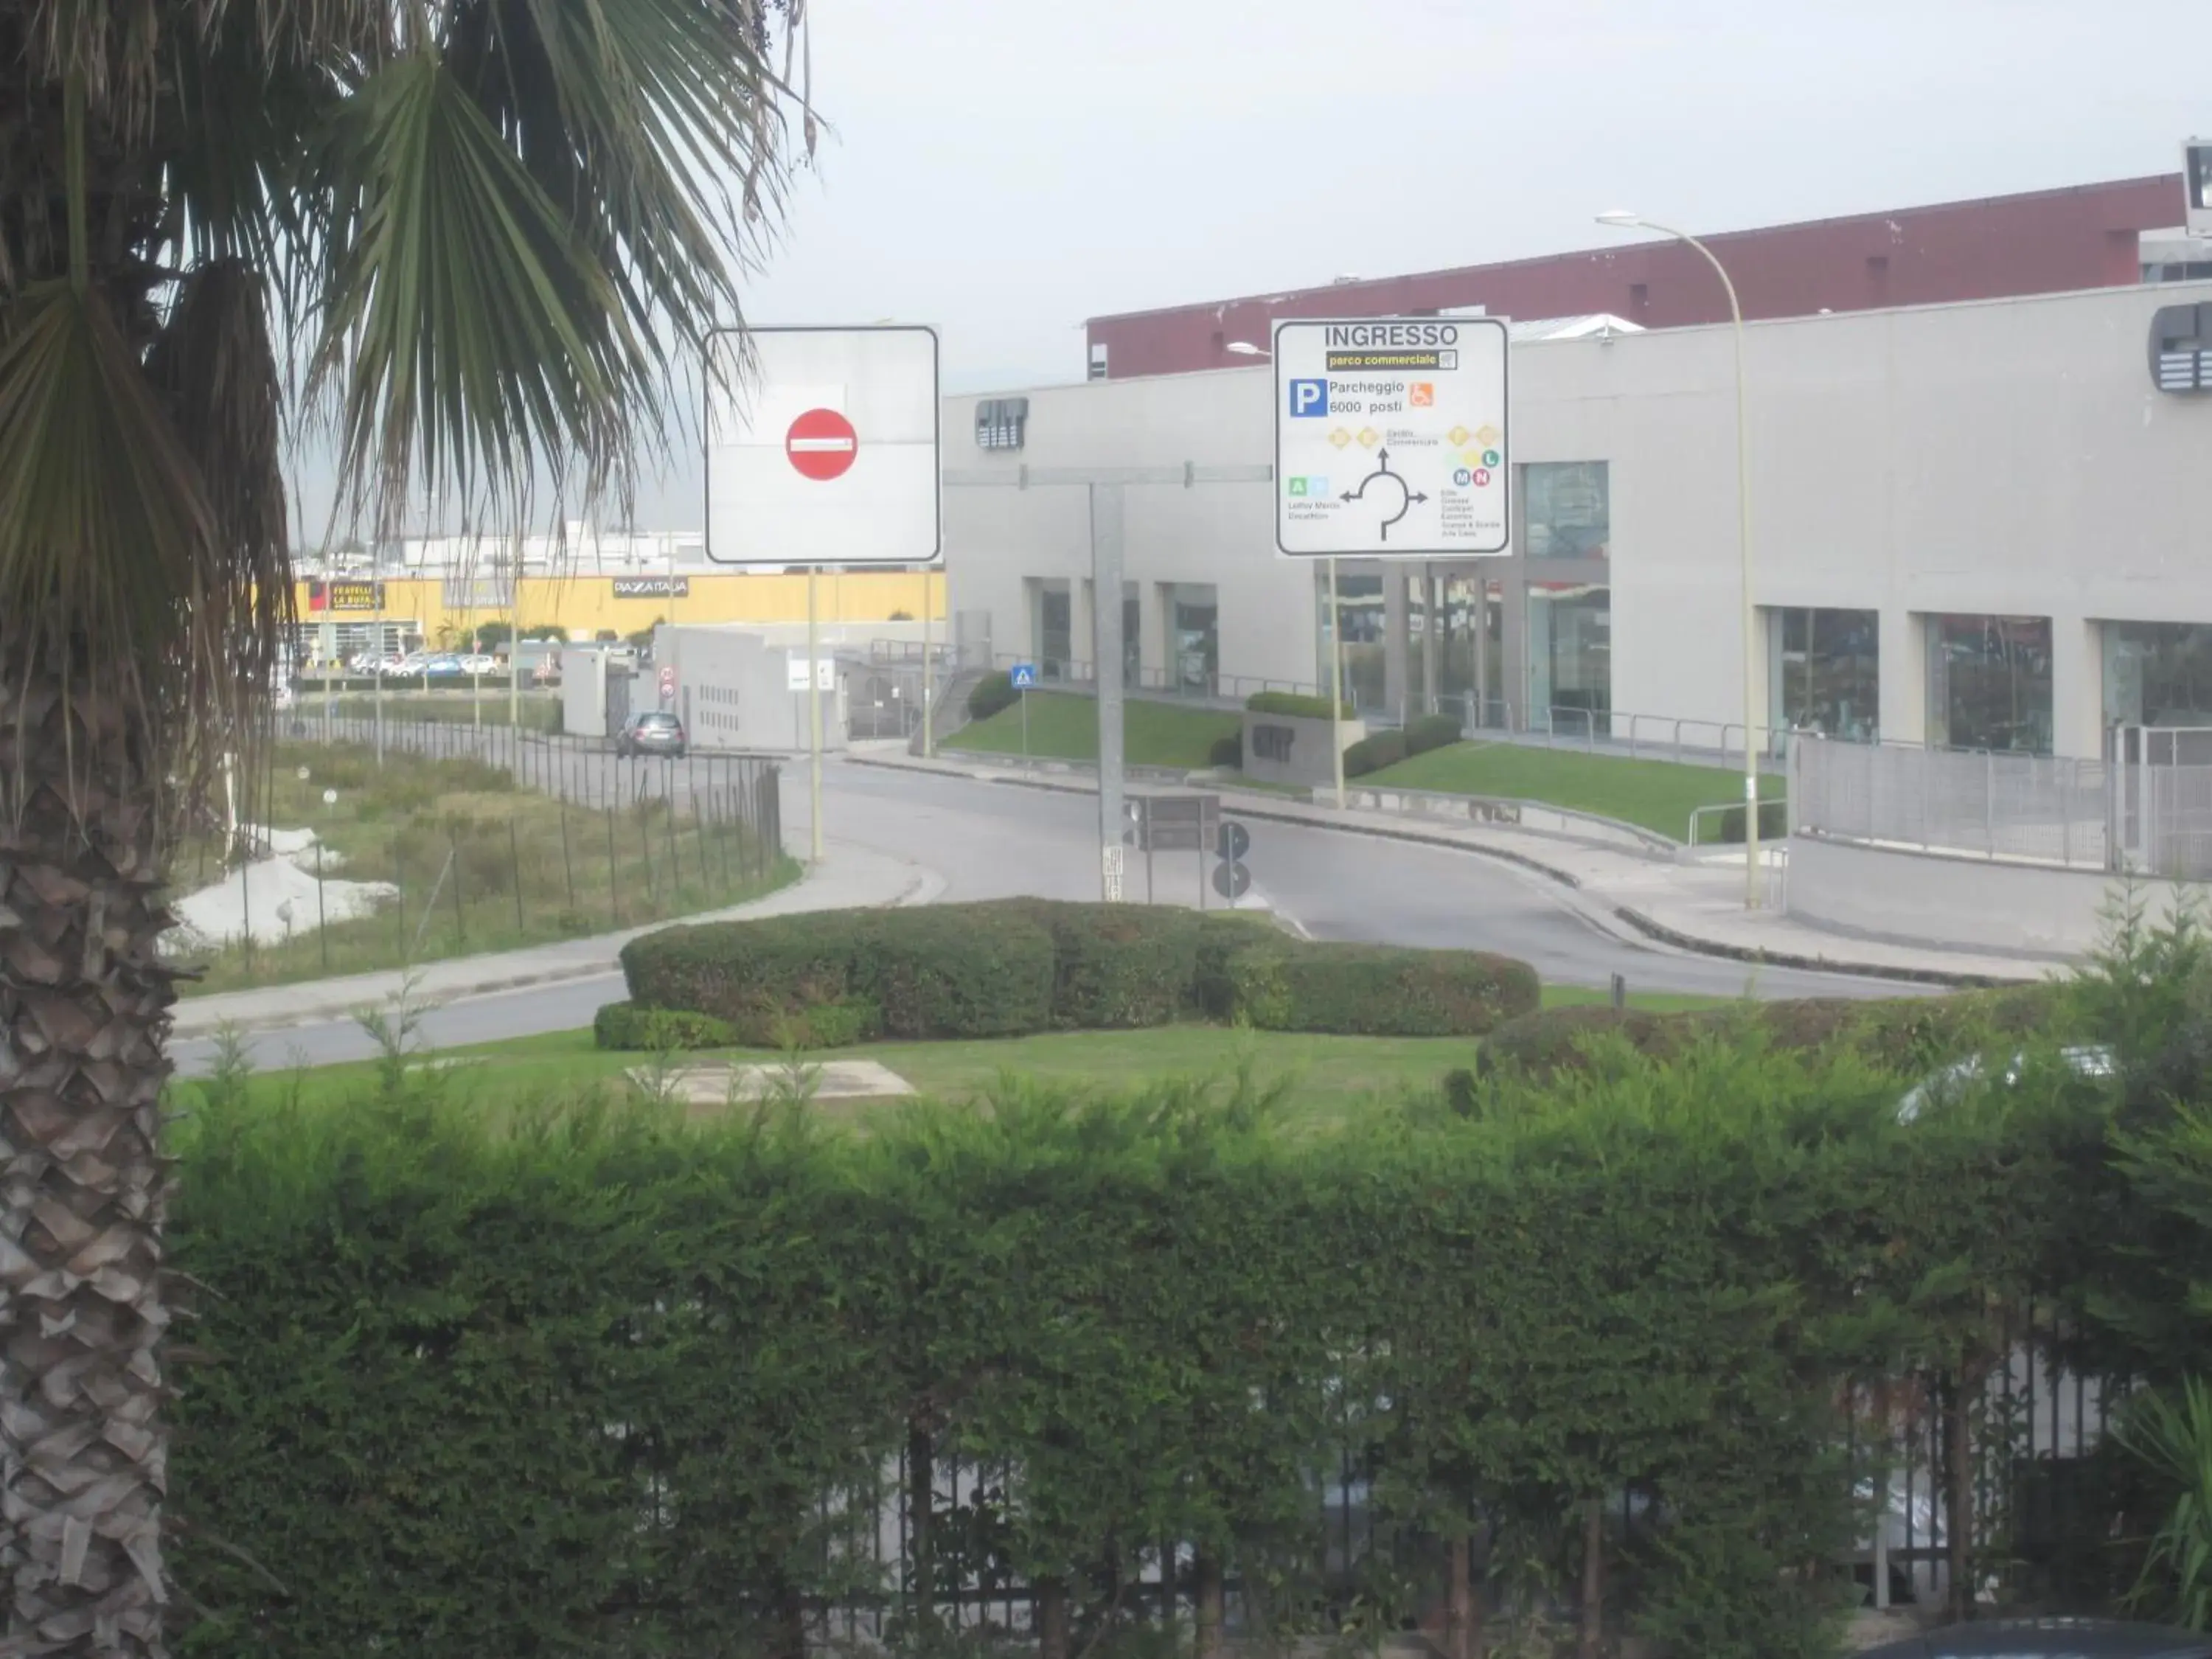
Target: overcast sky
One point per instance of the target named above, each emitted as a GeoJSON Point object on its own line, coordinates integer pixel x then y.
{"type": "Point", "coordinates": [1004, 169]}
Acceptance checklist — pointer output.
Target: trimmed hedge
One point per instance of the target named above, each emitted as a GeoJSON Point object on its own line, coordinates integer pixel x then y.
{"type": "Point", "coordinates": [1294, 705]}
{"type": "Point", "coordinates": [1118, 965]}
{"type": "Point", "coordinates": [612, 1383]}
{"type": "Point", "coordinates": [1428, 731]}
{"type": "Point", "coordinates": [1227, 751]}
{"type": "Point", "coordinates": [992, 693]}
{"type": "Point", "coordinates": [1012, 966]}
{"type": "Point", "coordinates": [1380, 990]}
{"type": "Point", "coordinates": [624, 1025]}
{"type": "Point", "coordinates": [1905, 1034]}
{"type": "Point", "coordinates": [1373, 753]}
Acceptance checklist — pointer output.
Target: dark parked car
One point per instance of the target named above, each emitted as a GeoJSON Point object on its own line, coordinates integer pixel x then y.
{"type": "Point", "coordinates": [657, 732]}
{"type": "Point", "coordinates": [2050, 1639]}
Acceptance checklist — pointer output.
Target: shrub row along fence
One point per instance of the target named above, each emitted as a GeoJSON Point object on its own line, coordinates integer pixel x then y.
{"type": "Point", "coordinates": [457, 841]}
{"type": "Point", "coordinates": [1064, 1369]}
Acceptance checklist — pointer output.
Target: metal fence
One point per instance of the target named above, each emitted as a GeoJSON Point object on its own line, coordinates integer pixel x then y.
{"type": "Point", "coordinates": [607, 843]}
{"type": "Point", "coordinates": [2032, 808]}
{"type": "Point", "coordinates": [2033, 1425]}
{"type": "Point", "coordinates": [2125, 813]}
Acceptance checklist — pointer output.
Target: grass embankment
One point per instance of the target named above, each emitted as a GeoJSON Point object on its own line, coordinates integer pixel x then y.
{"type": "Point", "coordinates": [1064, 727]}
{"type": "Point", "coordinates": [1660, 795]}
{"type": "Point", "coordinates": [1328, 1078]}
{"type": "Point", "coordinates": [480, 866]}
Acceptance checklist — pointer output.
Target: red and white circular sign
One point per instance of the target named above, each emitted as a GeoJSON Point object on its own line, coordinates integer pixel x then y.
{"type": "Point", "coordinates": [822, 444]}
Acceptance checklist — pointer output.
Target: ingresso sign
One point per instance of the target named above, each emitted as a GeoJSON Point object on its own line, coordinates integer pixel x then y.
{"type": "Point", "coordinates": [1390, 437]}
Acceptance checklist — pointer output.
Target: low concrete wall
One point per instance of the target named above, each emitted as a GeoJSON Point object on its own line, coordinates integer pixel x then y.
{"type": "Point", "coordinates": [1537, 816]}
{"type": "Point", "coordinates": [1285, 749]}
{"type": "Point", "coordinates": [1936, 898]}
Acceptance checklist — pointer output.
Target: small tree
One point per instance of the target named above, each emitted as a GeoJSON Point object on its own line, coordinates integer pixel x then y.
{"type": "Point", "coordinates": [492, 635]}
{"type": "Point", "coordinates": [642, 638]}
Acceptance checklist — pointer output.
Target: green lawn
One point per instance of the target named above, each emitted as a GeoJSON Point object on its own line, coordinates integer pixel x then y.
{"type": "Point", "coordinates": [1658, 794]}
{"type": "Point", "coordinates": [1063, 727]}
{"type": "Point", "coordinates": [1329, 1077]}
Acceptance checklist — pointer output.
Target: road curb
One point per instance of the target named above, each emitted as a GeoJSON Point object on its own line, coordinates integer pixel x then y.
{"type": "Point", "coordinates": [1635, 923]}
{"type": "Point", "coordinates": [1659, 930]}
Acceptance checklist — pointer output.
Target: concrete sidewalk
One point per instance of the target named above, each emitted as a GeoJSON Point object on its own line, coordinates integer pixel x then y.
{"type": "Point", "coordinates": [851, 878]}
{"type": "Point", "coordinates": [1695, 906]}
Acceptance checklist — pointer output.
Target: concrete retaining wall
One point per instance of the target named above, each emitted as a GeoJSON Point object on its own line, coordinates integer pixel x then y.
{"type": "Point", "coordinates": [1965, 903]}
{"type": "Point", "coordinates": [1285, 749]}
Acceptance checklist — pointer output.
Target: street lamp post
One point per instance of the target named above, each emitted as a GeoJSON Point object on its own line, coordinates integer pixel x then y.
{"type": "Point", "coordinates": [1622, 220]}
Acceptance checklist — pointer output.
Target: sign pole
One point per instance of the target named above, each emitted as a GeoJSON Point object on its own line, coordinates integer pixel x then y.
{"type": "Point", "coordinates": [1106, 501]}
{"type": "Point", "coordinates": [1025, 722]}
{"type": "Point", "coordinates": [928, 674]}
{"type": "Point", "coordinates": [514, 640]}
{"type": "Point", "coordinates": [379, 590]}
{"type": "Point", "coordinates": [813, 717]}
{"type": "Point", "coordinates": [1336, 682]}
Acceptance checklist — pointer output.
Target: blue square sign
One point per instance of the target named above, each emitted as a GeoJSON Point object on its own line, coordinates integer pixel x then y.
{"type": "Point", "coordinates": [1308, 397]}
{"type": "Point", "coordinates": [1023, 675]}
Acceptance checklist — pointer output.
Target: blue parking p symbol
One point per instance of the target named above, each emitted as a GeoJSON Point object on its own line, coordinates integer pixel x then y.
{"type": "Point", "coordinates": [1310, 397]}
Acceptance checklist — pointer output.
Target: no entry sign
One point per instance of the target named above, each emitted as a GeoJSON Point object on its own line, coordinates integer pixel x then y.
{"type": "Point", "coordinates": [822, 444]}
{"type": "Point", "coordinates": [822, 448]}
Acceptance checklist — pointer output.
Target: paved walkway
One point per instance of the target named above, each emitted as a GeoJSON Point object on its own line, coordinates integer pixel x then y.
{"type": "Point", "coordinates": [851, 878]}
{"type": "Point", "coordinates": [1696, 906]}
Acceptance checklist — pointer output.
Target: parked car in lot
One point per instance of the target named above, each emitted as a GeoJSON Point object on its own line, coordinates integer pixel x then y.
{"type": "Point", "coordinates": [655, 731]}
{"type": "Point", "coordinates": [2050, 1639]}
{"type": "Point", "coordinates": [441, 665]}
{"type": "Point", "coordinates": [476, 663]}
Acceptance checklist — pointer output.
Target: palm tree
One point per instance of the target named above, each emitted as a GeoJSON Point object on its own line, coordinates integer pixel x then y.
{"type": "Point", "coordinates": [473, 238]}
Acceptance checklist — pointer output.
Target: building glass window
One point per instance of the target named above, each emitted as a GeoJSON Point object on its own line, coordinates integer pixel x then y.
{"type": "Point", "coordinates": [1359, 616]}
{"type": "Point", "coordinates": [2158, 674]}
{"type": "Point", "coordinates": [1055, 630]}
{"type": "Point", "coordinates": [1570, 657]}
{"type": "Point", "coordinates": [1989, 683]}
{"type": "Point", "coordinates": [1194, 635]}
{"type": "Point", "coordinates": [1566, 510]}
{"type": "Point", "coordinates": [1467, 633]}
{"type": "Point", "coordinates": [1825, 667]}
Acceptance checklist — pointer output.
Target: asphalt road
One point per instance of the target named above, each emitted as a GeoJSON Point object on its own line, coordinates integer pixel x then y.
{"type": "Point", "coordinates": [996, 840]}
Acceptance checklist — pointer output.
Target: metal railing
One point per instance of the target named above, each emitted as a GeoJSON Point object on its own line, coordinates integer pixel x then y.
{"type": "Point", "coordinates": [2033, 809]}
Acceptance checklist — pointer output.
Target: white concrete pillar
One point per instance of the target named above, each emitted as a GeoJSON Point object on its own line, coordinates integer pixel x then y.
{"type": "Point", "coordinates": [2077, 688]}
{"type": "Point", "coordinates": [1902, 649]}
{"type": "Point", "coordinates": [1397, 638]}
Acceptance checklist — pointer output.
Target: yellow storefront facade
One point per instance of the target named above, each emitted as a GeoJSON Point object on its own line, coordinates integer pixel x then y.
{"type": "Point", "coordinates": [437, 613]}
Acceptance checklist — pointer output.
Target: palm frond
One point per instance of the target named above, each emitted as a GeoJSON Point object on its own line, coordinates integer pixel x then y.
{"type": "Point", "coordinates": [471, 328]}
{"type": "Point", "coordinates": [106, 537]}
{"type": "Point", "coordinates": [215, 371]}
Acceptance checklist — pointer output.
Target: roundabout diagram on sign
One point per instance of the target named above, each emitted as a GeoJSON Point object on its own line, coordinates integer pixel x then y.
{"type": "Point", "coordinates": [1394, 497]}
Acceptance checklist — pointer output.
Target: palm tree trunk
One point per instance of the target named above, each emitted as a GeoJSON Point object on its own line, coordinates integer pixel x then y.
{"type": "Point", "coordinates": [84, 1007]}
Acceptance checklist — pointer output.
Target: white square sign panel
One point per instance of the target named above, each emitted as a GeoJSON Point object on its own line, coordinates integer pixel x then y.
{"type": "Point", "coordinates": [1390, 438]}
{"type": "Point", "coordinates": [825, 452]}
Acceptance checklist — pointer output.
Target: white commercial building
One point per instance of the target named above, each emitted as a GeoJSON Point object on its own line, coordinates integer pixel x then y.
{"type": "Point", "coordinates": [1984, 526]}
